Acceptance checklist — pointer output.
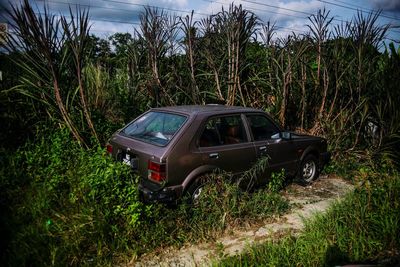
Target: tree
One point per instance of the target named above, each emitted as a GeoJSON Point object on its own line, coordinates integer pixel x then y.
{"type": "Point", "coordinates": [40, 42]}
{"type": "Point", "coordinates": [189, 29]}
{"type": "Point", "coordinates": [238, 26]}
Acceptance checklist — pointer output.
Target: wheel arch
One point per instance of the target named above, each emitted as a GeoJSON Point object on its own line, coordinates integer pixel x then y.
{"type": "Point", "coordinates": [311, 150]}
{"type": "Point", "coordinates": [193, 175]}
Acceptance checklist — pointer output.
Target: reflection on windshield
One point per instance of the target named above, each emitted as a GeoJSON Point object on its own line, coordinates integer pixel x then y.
{"type": "Point", "coordinates": [155, 127]}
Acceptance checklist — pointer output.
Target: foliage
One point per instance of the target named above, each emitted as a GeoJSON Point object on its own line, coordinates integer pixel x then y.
{"type": "Point", "coordinates": [223, 203]}
{"type": "Point", "coordinates": [335, 81]}
{"type": "Point", "coordinates": [66, 204]}
{"type": "Point", "coordinates": [362, 228]}
{"type": "Point", "coordinates": [277, 181]}
{"type": "Point", "coordinates": [63, 204]}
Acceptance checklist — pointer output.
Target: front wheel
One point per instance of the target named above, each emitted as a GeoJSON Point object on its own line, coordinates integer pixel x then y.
{"type": "Point", "coordinates": [309, 169]}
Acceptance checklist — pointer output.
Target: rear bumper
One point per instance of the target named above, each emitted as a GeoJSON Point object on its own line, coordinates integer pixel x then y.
{"type": "Point", "coordinates": [324, 158]}
{"type": "Point", "coordinates": [166, 195]}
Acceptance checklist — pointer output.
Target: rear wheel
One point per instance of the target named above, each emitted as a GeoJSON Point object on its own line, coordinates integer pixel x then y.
{"type": "Point", "coordinates": [194, 192]}
{"type": "Point", "coordinates": [309, 169]}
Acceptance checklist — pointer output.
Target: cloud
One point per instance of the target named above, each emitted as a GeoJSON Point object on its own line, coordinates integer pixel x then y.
{"type": "Point", "coordinates": [108, 17]}
{"type": "Point", "coordinates": [302, 8]}
{"type": "Point", "coordinates": [172, 3]}
{"type": "Point", "coordinates": [288, 16]}
{"type": "Point", "coordinates": [386, 5]}
{"type": "Point", "coordinates": [105, 29]}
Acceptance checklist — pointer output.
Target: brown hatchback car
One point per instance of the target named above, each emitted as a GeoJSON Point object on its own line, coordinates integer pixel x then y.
{"type": "Point", "coordinates": [172, 147]}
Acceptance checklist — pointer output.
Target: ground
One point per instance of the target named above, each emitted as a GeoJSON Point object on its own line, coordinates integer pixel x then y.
{"type": "Point", "coordinates": [305, 202]}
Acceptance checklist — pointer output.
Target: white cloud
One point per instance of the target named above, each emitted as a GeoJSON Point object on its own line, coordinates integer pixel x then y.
{"type": "Point", "coordinates": [274, 11]}
{"type": "Point", "coordinates": [174, 3]}
{"type": "Point", "coordinates": [105, 29]}
{"type": "Point", "coordinates": [277, 11]}
{"type": "Point", "coordinates": [305, 7]}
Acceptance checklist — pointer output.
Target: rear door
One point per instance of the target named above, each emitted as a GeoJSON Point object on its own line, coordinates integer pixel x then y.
{"type": "Point", "coordinates": [225, 143]}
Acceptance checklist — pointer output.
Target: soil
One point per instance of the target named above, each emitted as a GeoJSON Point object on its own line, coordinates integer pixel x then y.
{"type": "Point", "coordinates": [305, 202]}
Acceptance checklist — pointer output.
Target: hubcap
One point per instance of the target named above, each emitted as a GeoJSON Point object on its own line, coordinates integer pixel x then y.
{"type": "Point", "coordinates": [309, 169]}
{"type": "Point", "coordinates": [196, 194]}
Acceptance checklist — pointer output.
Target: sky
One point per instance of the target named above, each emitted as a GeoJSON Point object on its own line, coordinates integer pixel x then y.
{"type": "Point", "coordinates": [111, 16]}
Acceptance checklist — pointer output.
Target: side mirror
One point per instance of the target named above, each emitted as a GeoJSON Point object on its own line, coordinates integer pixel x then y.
{"type": "Point", "coordinates": [286, 135]}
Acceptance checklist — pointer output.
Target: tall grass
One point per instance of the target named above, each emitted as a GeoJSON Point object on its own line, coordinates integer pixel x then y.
{"type": "Point", "coordinates": [331, 81]}
{"type": "Point", "coordinates": [65, 205]}
{"type": "Point", "coordinates": [362, 228]}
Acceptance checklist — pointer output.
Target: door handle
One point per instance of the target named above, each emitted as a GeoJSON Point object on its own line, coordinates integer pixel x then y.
{"type": "Point", "coordinates": [262, 148]}
{"type": "Point", "coordinates": [213, 155]}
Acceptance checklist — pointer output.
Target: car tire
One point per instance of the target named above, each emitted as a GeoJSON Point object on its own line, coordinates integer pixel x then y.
{"type": "Point", "coordinates": [195, 189]}
{"type": "Point", "coordinates": [309, 170]}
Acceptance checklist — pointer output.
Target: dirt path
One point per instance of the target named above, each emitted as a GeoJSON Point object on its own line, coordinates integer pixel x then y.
{"type": "Point", "coordinates": [305, 201]}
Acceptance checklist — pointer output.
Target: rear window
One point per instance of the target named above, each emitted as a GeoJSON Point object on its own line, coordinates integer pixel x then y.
{"type": "Point", "coordinates": [155, 127]}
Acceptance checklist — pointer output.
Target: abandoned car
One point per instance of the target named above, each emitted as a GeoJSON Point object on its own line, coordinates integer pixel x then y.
{"type": "Point", "coordinates": [171, 148]}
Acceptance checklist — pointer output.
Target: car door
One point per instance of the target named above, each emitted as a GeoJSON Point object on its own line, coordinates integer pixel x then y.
{"type": "Point", "coordinates": [224, 143]}
{"type": "Point", "coordinates": [282, 153]}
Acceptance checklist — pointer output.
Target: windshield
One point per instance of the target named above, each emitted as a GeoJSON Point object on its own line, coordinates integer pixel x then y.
{"type": "Point", "coordinates": [155, 127]}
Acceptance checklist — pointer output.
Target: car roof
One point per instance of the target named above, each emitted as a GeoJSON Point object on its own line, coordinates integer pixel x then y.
{"type": "Point", "coordinates": [196, 109]}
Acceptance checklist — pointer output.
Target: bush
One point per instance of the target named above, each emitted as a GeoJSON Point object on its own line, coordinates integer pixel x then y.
{"type": "Point", "coordinates": [222, 204]}
{"type": "Point", "coordinates": [69, 204]}
{"type": "Point", "coordinates": [235, 204]}
{"type": "Point", "coordinates": [65, 205]}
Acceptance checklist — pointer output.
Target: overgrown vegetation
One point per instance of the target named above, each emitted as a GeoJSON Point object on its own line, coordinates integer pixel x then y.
{"type": "Point", "coordinates": [362, 228]}
{"type": "Point", "coordinates": [335, 81]}
{"type": "Point", "coordinates": [63, 204]}
{"type": "Point", "coordinates": [65, 91]}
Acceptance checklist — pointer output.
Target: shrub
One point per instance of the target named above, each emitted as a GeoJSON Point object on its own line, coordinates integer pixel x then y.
{"type": "Point", "coordinates": [224, 203]}
{"type": "Point", "coordinates": [65, 205]}
{"type": "Point", "coordinates": [70, 204]}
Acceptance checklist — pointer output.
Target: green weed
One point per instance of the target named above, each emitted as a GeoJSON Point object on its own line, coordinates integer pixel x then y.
{"type": "Point", "coordinates": [277, 180]}
{"type": "Point", "coordinates": [65, 205]}
{"type": "Point", "coordinates": [364, 227]}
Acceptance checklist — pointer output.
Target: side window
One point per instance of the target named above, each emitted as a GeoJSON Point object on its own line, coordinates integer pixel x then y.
{"type": "Point", "coordinates": [261, 127]}
{"type": "Point", "coordinates": [223, 131]}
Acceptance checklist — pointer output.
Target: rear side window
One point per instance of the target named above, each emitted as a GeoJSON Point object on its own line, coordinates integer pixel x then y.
{"type": "Point", "coordinates": [155, 127]}
{"type": "Point", "coordinates": [262, 127]}
{"type": "Point", "coordinates": [223, 131]}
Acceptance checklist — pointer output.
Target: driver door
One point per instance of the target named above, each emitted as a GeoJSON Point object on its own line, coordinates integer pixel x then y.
{"type": "Point", "coordinates": [267, 141]}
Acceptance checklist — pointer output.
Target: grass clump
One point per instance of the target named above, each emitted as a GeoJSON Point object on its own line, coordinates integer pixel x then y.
{"type": "Point", "coordinates": [222, 205]}
{"type": "Point", "coordinates": [362, 228]}
{"type": "Point", "coordinates": [225, 204]}
{"type": "Point", "coordinates": [65, 205]}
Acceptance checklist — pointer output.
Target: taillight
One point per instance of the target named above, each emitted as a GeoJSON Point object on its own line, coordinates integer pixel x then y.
{"type": "Point", "coordinates": [109, 149]}
{"type": "Point", "coordinates": [156, 171]}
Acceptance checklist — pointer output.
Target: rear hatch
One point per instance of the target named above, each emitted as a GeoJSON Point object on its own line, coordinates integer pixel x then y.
{"type": "Point", "coordinates": [144, 143]}
{"type": "Point", "coordinates": [137, 154]}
